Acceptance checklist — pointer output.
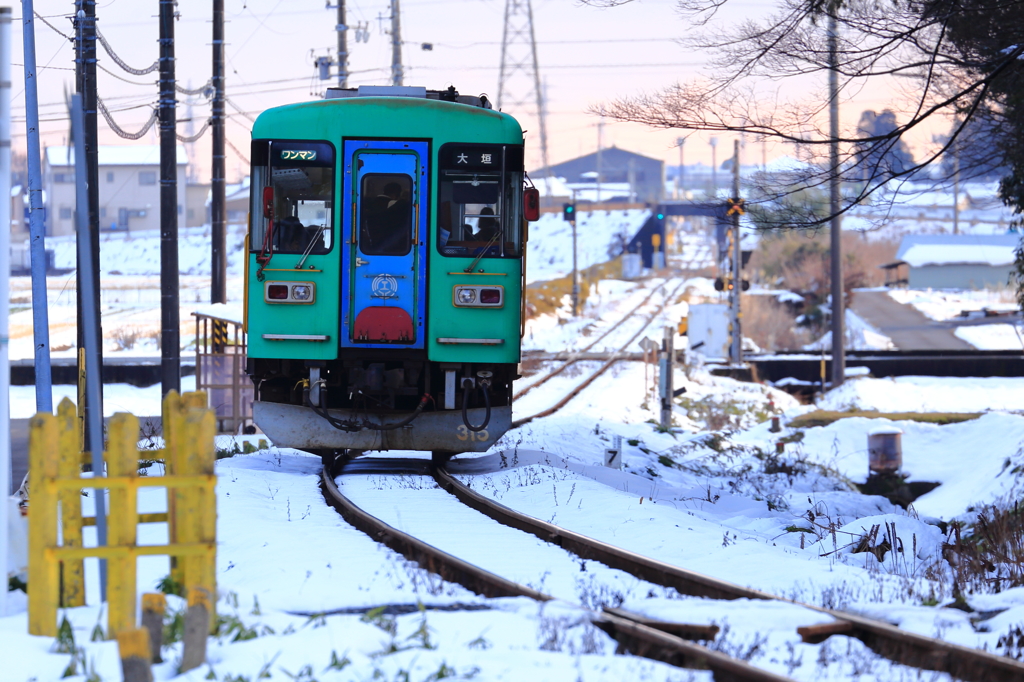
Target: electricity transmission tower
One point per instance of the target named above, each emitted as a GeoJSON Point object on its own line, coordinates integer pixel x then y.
{"type": "Point", "coordinates": [519, 75]}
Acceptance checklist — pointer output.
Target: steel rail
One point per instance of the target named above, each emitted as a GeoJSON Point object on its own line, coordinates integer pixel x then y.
{"type": "Point", "coordinates": [635, 634]}
{"type": "Point", "coordinates": [577, 355]}
{"type": "Point", "coordinates": [616, 357]}
{"type": "Point", "coordinates": [889, 641]}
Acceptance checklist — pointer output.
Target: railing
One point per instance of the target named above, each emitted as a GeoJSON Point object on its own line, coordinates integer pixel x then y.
{"type": "Point", "coordinates": [55, 486]}
{"type": "Point", "coordinates": [220, 371]}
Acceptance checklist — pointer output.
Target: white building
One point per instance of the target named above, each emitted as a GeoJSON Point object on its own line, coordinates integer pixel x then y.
{"type": "Point", "coordinates": [129, 188]}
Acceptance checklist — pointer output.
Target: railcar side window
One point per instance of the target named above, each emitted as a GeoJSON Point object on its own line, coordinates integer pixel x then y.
{"type": "Point", "coordinates": [385, 214]}
{"type": "Point", "coordinates": [479, 200]}
{"type": "Point", "coordinates": [296, 179]}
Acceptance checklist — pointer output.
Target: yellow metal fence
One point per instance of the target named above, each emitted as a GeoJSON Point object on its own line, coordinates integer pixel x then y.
{"type": "Point", "coordinates": [55, 483]}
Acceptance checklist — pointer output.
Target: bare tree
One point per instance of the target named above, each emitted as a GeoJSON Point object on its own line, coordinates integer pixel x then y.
{"type": "Point", "coordinates": [957, 59]}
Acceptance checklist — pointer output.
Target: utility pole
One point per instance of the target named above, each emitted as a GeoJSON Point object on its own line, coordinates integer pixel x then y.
{"type": "Point", "coordinates": [575, 272]}
{"type": "Point", "coordinates": [342, 30]}
{"type": "Point", "coordinates": [680, 184]}
{"type": "Point", "coordinates": [170, 345]}
{"type": "Point", "coordinates": [5, 290]}
{"type": "Point", "coordinates": [397, 73]}
{"type": "Point", "coordinates": [85, 73]}
{"type": "Point", "coordinates": [36, 226]}
{"type": "Point", "coordinates": [956, 186]}
{"type": "Point", "coordinates": [91, 333]}
{"type": "Point", "coordinates": [838, 304]}
{"type": "Point", "coordinates": [714, 166]}
{"type": "Point", "coordinates": [737, 259]}
{"type": "Point", "coordinates": [218, 256]}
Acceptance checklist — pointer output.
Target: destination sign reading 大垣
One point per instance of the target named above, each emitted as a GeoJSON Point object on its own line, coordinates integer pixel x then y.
{"type": "Point", "coordinates": [481, 157]}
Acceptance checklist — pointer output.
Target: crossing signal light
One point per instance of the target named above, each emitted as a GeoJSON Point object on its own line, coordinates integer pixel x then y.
{"type": "Point", "coordinates": [569, 212]}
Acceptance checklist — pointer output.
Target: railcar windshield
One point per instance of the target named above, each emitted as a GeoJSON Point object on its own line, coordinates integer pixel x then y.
{"type": "Point", "coordinates": [297, 180]}
{"type": "Point", "coordinates": [479, 200]}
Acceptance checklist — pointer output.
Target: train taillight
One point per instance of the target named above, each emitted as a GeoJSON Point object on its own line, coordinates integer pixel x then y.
{"type": "Point", "coordinates": [277, 292]}
{"type": "Point", "coordinates": [491, 296]}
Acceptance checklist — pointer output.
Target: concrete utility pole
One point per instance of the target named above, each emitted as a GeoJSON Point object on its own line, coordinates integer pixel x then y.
{"type": "Point", "coordinates": [838, 303]}
{"type": "Point", "coordinates": [956, 186]}
{"type": "Point", "coordinates": [680, 185]}
{"type": "Point", "coordinates": [36, 226]}
{"type": "Point", "coordinates": [218, 199]}
{"type": "Point", "coordinates": [5, 293]}
{"type": "Point", "coordinates": [397, 73]}
{"type": "Point", "coordinates": [342, 30]}
{"type": "Point", "coordinates": [575, 272]}
{"type": "Point", "coordinates": [737, 260]}
{"type": "Point", "coordinates": [85, 74]}
{"type": "Point", "coordinates": [90, 314]}
{"type": "Point", "coordinates": [170, 332]}
{"type": "Point", "coordinates": [714, 166]}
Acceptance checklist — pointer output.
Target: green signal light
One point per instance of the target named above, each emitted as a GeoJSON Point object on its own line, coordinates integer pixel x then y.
{"type": "Point", "coordinates": [661, 216]}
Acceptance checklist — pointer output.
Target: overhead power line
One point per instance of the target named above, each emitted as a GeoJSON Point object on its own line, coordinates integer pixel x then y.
{"type": "Point", "coordinates": [120, 62]}
{"type": "Point", "coordinates": [118, 129]}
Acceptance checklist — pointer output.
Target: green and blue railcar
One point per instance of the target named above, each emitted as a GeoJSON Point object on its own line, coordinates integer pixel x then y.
{"type": "Point", "coordinates": [384, 280]}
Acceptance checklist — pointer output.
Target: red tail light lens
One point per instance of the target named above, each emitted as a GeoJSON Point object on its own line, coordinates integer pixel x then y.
{"type": "Point", "coordinates": [277, 292]}
{"type": "Point", "coordinates": [490, 295]}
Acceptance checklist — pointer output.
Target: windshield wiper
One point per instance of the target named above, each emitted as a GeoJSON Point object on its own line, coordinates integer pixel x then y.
{"type": "Point", "coordinates": [309, 247]}
{"type": "Point", "coordinates": [483, 251]}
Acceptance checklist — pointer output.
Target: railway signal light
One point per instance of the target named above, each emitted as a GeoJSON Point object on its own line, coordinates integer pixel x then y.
{"type": "Point", "coordinates": [569, 212]}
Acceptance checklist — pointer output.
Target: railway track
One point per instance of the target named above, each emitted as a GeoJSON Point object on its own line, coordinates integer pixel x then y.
{"type": "Point", "coordinates": [576, 356]}
{"type": "Point", "coordinates": [616, 356]}
{"type": "Point", "coordinates": [670, 643]}
{"type": "Point", "coordinates": [899, 646]}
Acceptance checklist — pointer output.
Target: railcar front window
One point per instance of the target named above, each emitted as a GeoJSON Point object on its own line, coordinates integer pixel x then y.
{"type": "Point", "coordinates": [479, 193]}
{"type": "Point", "coordinates": [296, 179]}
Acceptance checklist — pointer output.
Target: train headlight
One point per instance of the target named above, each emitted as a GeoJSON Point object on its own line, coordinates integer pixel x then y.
{"type": "Point", "coordinates": [466, 296]}
{"type": "Point", "coordinates": [301, 292]}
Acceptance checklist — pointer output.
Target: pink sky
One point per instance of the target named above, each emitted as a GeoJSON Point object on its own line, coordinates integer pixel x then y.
{"type": "Point", "coordinates": [587, 56]}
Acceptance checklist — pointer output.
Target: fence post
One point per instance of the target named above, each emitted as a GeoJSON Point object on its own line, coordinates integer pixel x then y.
{"type": "Point", "coordinates": [154, 605]}
{"type": "Point", "coordinates": [122, 462]}
{"type": "Point", "coordinates": [202, 427]}
{"type": "Point", "coordinates": [70, 466]}
{"type": "Point", "coordinates": [133, 645]}
{"type": "Point", "coordinates": [42, 523]}
{"type": "Point", "coordinates": [197, 625]}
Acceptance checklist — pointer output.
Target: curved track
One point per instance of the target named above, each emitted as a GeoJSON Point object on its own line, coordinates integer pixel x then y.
{"type": "Point", "coordinates": [897, 645]}
{"type": "Point", "coordinates": [602, 369]}
{"type": "Point", "coordinates": [665, 642]}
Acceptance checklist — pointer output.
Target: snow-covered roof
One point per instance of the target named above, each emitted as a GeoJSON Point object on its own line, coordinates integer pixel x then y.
{"type": "Point", "coordinates": [786, 164]}
{"type": "Point", "coordinates": [552, 187]}
{"type": "Point", "coordinates": [116, 155]}
{"type": "Point", "coordinates": [958, 249]}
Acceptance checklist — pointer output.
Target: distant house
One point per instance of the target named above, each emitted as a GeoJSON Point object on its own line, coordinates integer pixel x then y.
{"type": "Point", "coordinates": [958, 261]}
{"type": "Point", "coordinates": [129, 188]}
{"type": "Point", "coordinates": [628, 176]}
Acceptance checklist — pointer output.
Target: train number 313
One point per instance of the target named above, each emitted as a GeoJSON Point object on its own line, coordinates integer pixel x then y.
{"type": "Point", "coordinates": [466, 434]}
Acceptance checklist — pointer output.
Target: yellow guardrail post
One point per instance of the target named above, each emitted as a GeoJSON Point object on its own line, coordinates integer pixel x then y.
{"type": "Point", "coordinates": [42, 524]}
{"type": "Point", "coordinates": [171, 426]}
{"type": "Point", "coordinates": [72, 570]}
{"type": "Point", "coordinates": [199, 458]}
{"type": "Point", "coordinates": [122, 462]}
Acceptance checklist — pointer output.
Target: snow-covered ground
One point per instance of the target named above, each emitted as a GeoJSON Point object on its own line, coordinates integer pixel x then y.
{"type": "Point", "coordinates": [710, 495]}
{"type": "Point", "coordinates": [859, 333]}
{"type": "Point", "coordinates": [600, 236]}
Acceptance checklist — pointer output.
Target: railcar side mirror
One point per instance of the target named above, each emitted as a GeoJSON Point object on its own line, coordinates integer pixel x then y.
{"type": "Point", "coordinates": [531, 204]}
{"type": "Point", "coordinates": [268, 202]}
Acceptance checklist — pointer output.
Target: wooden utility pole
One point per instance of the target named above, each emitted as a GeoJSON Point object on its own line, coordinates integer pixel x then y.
{"type": "Point", "coordinates": [737, 259]}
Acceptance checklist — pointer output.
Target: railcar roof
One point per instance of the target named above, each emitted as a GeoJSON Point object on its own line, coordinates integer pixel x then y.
{"type": "Point", "coordinates": [380, 116]}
